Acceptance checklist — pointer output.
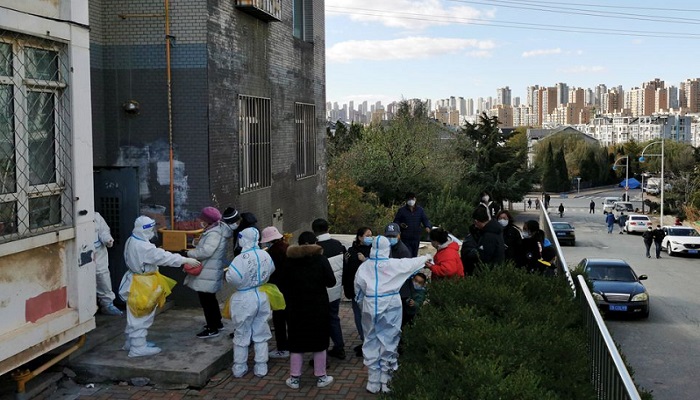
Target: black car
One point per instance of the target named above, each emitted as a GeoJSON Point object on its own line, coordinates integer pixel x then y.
{"type": "Point", "coordinates": [616, 287]}
{"type": "Point", "coordinates": [565, 233]}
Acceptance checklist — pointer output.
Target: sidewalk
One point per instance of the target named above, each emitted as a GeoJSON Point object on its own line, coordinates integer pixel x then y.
{"type": "Point", "coordinates": [350, 377]}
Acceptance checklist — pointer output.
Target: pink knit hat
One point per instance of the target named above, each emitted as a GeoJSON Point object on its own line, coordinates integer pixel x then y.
{"type": "Point", "coordinates": [269, 234]}
{"type": "Point", "coordinates": [210, 215]}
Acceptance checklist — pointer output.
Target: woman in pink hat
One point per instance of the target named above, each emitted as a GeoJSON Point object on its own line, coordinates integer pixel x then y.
{"type": "Point", "coordinates": [272, 240]}
{"type": "Point", "coordinates": [211, 251]}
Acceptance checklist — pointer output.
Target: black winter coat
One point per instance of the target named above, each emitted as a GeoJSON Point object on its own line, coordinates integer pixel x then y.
{"type": "Point", "coordinates": [307, 276]}
{"type": "Point", "coordinates": [350, 266]}
{"type": "Point", "coordinates": [514, 244]}
{"type": "Point", "coordinates": [491, 247]}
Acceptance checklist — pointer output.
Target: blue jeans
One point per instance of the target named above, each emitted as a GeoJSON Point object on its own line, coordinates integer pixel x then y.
{"type": "Point", "coordinates": [336, 332]}
{"type": "Point", "coordinates": [610, 228]}
{"type": "Point", "coordinates": [357, 312]}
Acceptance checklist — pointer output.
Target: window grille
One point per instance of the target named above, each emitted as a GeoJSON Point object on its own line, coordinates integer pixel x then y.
{"type": "Point", "coordinates": [254, 141]}
{"type": "Point", "coordinates": [35, 133]}
{"type": "Point", "coordinates": [305, 129]}
{"type": "Point", "coordinates": [303, 19]}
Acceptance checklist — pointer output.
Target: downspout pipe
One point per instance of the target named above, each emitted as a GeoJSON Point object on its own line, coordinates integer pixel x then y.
{"type": "Point", "coordinates": [168, 74]}
{"type": "Point", "coordinates": [24, 376]}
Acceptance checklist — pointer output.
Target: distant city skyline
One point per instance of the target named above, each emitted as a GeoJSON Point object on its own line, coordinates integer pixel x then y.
{"type": "Point", "coordinates": [435, 49]}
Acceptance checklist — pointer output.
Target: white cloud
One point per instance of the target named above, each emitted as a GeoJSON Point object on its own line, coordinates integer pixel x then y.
{"type": "Point", "coordinates": [541, 52]}
{"type": "Point", "coordinates": [404, 49]}
{"type": "Point", "coordinates": [480, 53]}
{"type": "Point", "coordinates": [580, 69]}
{"type": "Point", "coordinates": [406, 14]}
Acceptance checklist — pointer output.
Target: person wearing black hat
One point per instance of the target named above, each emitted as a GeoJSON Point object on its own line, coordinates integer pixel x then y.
{"type": "Point", "coordinates": [237, 222]}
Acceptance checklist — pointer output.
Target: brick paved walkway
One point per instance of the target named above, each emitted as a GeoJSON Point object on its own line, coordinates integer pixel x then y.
{"type": "Point", "coordinates": [350, 379]}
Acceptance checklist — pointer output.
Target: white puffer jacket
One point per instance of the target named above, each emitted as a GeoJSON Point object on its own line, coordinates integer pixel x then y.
{"type": "Point", "coordinates": [211, 251]}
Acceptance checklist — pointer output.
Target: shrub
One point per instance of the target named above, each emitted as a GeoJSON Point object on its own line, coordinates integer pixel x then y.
{"type": "Point", "coordinates": [350, 207]}
{"type": "Point", "coordinates": [504, 334]}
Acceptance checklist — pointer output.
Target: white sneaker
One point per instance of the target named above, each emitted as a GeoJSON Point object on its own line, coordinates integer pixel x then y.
{"type": "Point", "coordinates": [293, 382]}
{"type": "Point", "coordinates": [143, 351]}
{"type": "Point", "coordinates": [324, 381]}
{"type": "Point", "coordinates": [278, 354]}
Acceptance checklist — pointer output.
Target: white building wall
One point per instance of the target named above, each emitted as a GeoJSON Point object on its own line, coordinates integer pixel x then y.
{"type": "Point", "coordinates": [62, 257]}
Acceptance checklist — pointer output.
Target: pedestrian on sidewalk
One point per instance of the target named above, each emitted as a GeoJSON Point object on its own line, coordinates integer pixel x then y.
{"type": "Point", "coordinates": [610, 221]}
{"type": "Point", "coordinates": [561, 210]}
{"type": "Point", "coordinates": [529, 203]}
{"type": "Point", "coordinates": [105, 295]}
{"type": "Point", "coordinates": [413, 220]}
{"type": "Point", "coordinates": [658, 236]}
{"type": "Point", "coordinates": [622, 221]}
{"type": "Point", "coordinates": [334, 251]}
{"type": "Point", "coordinates": [591, 207]}
{"type": "Point", "coordinates": [648, 237]}
{"type": "Point", "coordinates": [377, 285]}
{"type": "Point", "coordinates": [211, 251]}
{"type": "Point", "coordinates": [250, 307]}
{"type": "Point", "coordinates": [308, 274]}
{"type": "Point", "coordinates": [142, 259]}
{"type": "Point", "coordinates": [272, 240]}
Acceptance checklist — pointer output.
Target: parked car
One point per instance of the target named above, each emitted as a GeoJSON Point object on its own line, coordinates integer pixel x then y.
{"type": "Point", "coordinates": [651, 189]}
{"type": "Point", "coordinates": [616, 287]}
{"type": "Point", "coordinates": [625, 206]}
{"type": "Point", "coordinates": [637, 223]}
{"type": "Point", "coordinates": [609, 203]}
{"type": "Point", "coordinates": [565, 232]}
{"type": "Point", "coordinates": [680, 239]}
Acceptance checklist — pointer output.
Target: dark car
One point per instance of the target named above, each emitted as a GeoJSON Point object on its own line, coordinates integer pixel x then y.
{"type": "Point", "coordinates": [616, 287]}
{"type": "Point", "coordinates": [565, 233]}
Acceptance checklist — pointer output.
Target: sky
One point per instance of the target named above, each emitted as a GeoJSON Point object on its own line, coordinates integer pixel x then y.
{"type": "Point", "coordinates": [389, 50]}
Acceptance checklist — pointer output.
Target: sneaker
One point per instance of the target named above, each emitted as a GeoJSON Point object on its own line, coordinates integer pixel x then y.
{"type": "Point", "coordinates": [374, 387]}
{"type": "Point", "coordinates": [338, 353]}
{"type": "Point", "coordinates": [324, 381]}
{"type": "Point", "coordinates": [278, 354]}
{"type": "Point", "coordinates": [207, 333]}
{"type": "Point", "coordinates": [293, 382]}
{"type": "Point", "coordinates": [111, 310]}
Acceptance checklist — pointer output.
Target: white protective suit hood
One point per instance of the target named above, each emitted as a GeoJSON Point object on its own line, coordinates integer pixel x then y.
{"type": "Point", "coordinates": [144, 228]}
{"type": "Point", "coordinates": [248, 238]}
{"type": "Point", "coordinates": [381, 248]}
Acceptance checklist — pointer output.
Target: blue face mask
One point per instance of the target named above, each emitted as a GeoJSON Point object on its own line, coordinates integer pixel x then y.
{"type": "Point", "coordinates": [367, 240]}
{"type": "Point", "coordinates": [393, 241]}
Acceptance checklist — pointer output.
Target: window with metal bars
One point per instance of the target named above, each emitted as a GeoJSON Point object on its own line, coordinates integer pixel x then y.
{"type": "Point", "coordinates": [254, 142]}
{"type": "Point", "coordinates": [303, 19]}
{"type": "Point", "coordinates": [35, 123]}
{"type": "Point", "coordinates": [305, 129]}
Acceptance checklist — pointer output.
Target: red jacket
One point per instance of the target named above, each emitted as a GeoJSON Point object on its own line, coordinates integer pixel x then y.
{"type": "Point", "coordinates": [447, 262]}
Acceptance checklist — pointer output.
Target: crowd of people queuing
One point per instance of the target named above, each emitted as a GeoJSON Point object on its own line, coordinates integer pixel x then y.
{"type": "Point", "coordinates": [382, 276]}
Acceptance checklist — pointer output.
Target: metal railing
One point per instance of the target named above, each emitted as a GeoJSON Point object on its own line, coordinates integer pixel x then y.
{"type": "Point", "coordinates": [609, 375]}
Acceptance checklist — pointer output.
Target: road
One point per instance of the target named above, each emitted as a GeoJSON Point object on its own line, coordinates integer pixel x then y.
{"type": "Point", "coordinates": [664, 350]}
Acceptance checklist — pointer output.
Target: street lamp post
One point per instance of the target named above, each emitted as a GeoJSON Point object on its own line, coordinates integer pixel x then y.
{"type": "Point", "coordinates": [641, 159]}
{"type": "Point", "coordinates": [627, 174]}
{"type": "Point", "coordinates": [578, 185]}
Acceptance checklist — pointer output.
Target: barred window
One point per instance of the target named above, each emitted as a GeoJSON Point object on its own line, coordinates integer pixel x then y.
{"type": "Point", "coordinates": [35, 165]}
{"type": "Point", "coordinates": [254, 141]}
{"type": "Point", "coordinates": [303, 20]}
{"type": "Point", "coordinates": [305, 129]}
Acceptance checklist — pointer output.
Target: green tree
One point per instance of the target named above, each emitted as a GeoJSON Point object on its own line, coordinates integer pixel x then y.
{"type": "Point", "coordinates": [562, 173]}
{"type": "Point", "coordinates": [550, 176]}
{"type": "Point", "coordinates": [497, 163]}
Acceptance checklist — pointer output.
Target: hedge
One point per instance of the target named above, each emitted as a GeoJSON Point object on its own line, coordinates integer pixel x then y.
{"type": "Point", "coordinates": [504, 334]}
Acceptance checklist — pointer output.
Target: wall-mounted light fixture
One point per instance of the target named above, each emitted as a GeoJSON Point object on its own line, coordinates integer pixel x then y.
{"type": "Point", "coordinates": [131, 107]}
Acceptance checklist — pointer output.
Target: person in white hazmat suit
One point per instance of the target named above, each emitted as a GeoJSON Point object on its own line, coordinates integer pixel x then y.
{"type": "Point", "coordinates": [143, 257]}
{"type": "Point", "coordinates": [250, 307]}
{"type": "Point", "coordinates": [377, 285]}
{"type": "Point", "coordinates": [103, 240]}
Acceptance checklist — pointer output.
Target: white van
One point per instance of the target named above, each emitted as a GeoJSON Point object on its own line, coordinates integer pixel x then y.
{"type": "Point", "coordinates": [609, 204]}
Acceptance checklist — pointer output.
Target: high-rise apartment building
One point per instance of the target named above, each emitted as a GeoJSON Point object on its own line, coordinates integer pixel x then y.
{"type": "Point", "coordinates": [532, 95]}
{"type": "Point", "coordinates": [516, 101]}
{"type": "Point", "coordinates": [600, 90]}
{"type": "Point", "coordinates": [562, 93]}
{"type": "Point", "coordinates": [689, 95]}
{"type": "Point", "coordinates": [672, 98]}
{"type": "Point", "coordinates": [462, 106]}
{"type": "Point", "coordinates": [503, 96]}
{"type": "Point", "coordinates": [470, 107]}
{"type": "Point", "coordinates": [547, 102]}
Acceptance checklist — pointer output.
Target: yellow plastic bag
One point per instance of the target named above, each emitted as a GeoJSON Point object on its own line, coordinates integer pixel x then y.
{"type": "Point", "coordinates": [148, 291]}
{"type": "Point", "coordinates": [274, 296]}
{"type": "Point", "coordinates": [226, 312]}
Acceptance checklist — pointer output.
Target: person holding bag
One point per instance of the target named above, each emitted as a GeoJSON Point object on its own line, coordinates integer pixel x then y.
{"type": "Point", "coordinates": [142, 259]}
{"type": "Point", "coordinates": [211, 251]}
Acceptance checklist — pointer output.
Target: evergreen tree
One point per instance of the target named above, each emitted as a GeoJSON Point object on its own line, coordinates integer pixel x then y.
{"type": "Point", "coordinates": [550, 177]}
{"type": "Point", "coordinates": [563, 181]}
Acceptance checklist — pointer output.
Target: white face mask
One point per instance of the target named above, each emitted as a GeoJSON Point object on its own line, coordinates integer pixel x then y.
{"type": "Point", "coordinates": [234, 226]}
{"type": "Point", "coordinates": [503, 222]}
{"type": "Point", "coordinates": [411, 203]}
{"type": "Point", "coordinates": [485, 199]}
{"type": "Point", "coordinates": [526, 235]}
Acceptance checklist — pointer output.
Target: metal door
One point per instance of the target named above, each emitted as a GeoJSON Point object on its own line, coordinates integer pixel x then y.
{"type": "Point", "coordinates": [117, 200]}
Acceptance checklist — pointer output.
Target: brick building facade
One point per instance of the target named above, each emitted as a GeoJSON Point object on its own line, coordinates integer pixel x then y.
{"type": "Point", "coordinates": [248, 95]}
